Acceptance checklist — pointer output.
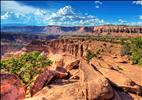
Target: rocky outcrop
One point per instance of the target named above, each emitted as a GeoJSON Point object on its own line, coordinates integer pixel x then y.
{"type": "Point", "coordinates": [99, 80]}
{"type": "Point", "coordinates": [59, 92]}
{"type": "Point", "coordinates": [117, 29]}
{"type": "Point", "coordinates": [123, 81]}
{"type": "Point", "coordinates": [73, 65]}
{"type": "Point", "coordinates": [40, 81]}
{"type": "Point", "coordinates": [11, 88]}
{"type": "Point", "coordinates": [117, 78]}
{"type": "Point", "coordinates": [45, 78]}
{"type": "Point", "coordinates": [71, 77]}
{"type": "Point", "coordinates": [93, 84]}
{"type": "Point", "coordinates": [76, 47]}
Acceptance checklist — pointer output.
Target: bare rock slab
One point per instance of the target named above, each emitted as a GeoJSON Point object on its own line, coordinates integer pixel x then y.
{"type": "Point", "coordinates": [11, 88]}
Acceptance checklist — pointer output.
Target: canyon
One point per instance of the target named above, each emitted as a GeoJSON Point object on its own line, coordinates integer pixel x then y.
{"type": "Point", "coordinates": [13, 38]}
{"type": "Point", "coordinates": [106, 76]}
{"type": "Point", "coordinates": [15, 41]}
{"type": "Point", "coordinates": [109, 76]}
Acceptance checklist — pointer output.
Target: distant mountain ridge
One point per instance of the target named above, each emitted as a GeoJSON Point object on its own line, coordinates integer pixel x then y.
{"type": "Point", "coordinates": [73, 29]}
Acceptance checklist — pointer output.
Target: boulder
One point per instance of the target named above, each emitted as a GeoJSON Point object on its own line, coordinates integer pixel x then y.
{"type": "Point", "coordinates": [41, 80]}
{"type": "Point", "coordinates": [45, 78]}
{"type": "Point", "coordinates": [73, 65]}
{"type": "Point", "coordinates": [11, 88]}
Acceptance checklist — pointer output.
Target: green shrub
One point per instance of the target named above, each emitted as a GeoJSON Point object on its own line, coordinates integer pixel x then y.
{"type": "Point", "coordinates": [89, 55]}
{"type": "Point", "coordinates": [26, 66]}
{"type": "Point", "coordinates": [133, 48]}
{"type": "Point", "coordinates": [136, 50]}
{"type": "Point", "coordinates": [140, 61]}
{"type": "Point", "coordinates": [135, 57]}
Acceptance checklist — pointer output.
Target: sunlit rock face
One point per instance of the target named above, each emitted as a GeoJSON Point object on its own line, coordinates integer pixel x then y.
{"type": "Point", "coordinates": [76, 47]}
{"type": "Point", "coordinates": [117, 29]}
{"type": "Point", "coordinates": [11, 88]}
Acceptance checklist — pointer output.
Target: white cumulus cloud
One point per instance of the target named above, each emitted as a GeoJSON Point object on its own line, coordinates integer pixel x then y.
{"type": "Point", "coordinates": [14, 6]}
{"type": "Point", "coordinates": [12, 11]}
{"type": "Point", "coordinates": [68, 16]}
{"type": "Point", "coordinates": [5, 16]}
{"type": "Point", "coordinates": [67, 10]}
{"type": "Point", "coordinates": [139, 2]}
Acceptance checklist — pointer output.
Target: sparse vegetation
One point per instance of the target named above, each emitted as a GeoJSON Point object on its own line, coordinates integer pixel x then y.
{"type": "Point", "coordinates": [112, 39]}
{"type": "Point", "coordinates": [25, 66]}
{"type": "Point", "coordinates": [89, 55]}
{"type": "Point", "coordinates": [133, 48]}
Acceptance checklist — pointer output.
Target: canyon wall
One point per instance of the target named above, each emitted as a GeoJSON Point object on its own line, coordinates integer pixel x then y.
{"type": "Point", "coordinates": [74, 29]}
{"type": "Point", "coordinates": [14, 41]}
{"type": "Point", "coordinates": [117, 29]}
{"type": "Point", "coordinates": [76, 47]}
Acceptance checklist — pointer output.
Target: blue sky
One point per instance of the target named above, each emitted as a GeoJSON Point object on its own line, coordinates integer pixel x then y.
{"type": "Point", "coordinates": [71, 13]}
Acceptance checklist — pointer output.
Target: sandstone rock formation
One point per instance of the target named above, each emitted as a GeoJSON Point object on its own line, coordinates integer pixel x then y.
{"type": "Point", "coordinates": [117, 29]}
{"type": "Point", "coordinates": [45, 78]}
{"type": "Point", "coordinates": [93, 84]}
{"type": "Point", "coordinates": [59, 92]}
{"type": "Point", "coordinates": [123, 81]}
{"type": "Point", "coordinates": [70, 77]}
{"type": "Point", "coordinates": [11, 88]}
{"type": "Point", "coordinates": [40, 81]}
{"type": "Point", "coordinates": [73, 65]}
{"type": "Point", "coordinates": [76, 47]}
